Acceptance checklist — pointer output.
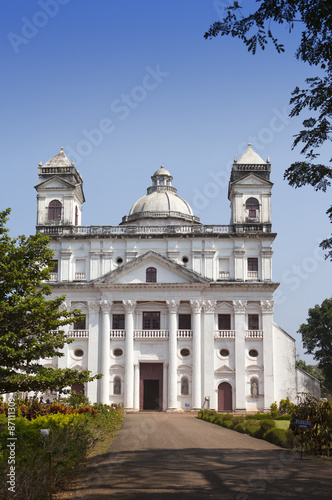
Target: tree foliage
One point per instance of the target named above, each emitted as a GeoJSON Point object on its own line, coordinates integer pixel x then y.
{"type": "Point", "coordinates": [30, 322]}
{"type": "Point", "coordinates": [317, 338]}
{"type": "Point", "coordinates": [315, 97]}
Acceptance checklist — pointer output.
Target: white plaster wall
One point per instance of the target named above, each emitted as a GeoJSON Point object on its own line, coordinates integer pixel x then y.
{"type": "Point", "coordinates": [284, 356]}
{"type": "Point", "coordinates": [307, 383]}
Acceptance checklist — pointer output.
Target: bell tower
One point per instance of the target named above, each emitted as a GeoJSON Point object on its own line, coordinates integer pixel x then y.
{"type": "Point", "coordinates": [250, 192]}
{"type": "Point", "coordinates": [60, 195]}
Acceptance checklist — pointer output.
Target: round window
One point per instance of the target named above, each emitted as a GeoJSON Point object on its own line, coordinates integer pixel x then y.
{"type": "Point", "coordinates": [185, 260]}
{"type": "Point", "coordinates": [253, 353]}
{"type": "Point", "coordinates": [224, 353]}
{"type": "Point", "coordinates": [79, 353]}
{"type": "Point", "coordinates": [119, 260]}
{"type": "Point", "coordinates": [185, 352]}
{"type": "Point", "coordinates": [117, 352]}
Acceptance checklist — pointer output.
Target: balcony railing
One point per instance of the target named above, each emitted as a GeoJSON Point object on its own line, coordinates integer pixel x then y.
{"type": "Point", "coordinates": [80, 276]}
{"type": "Point", "coordinates": [53, 277]}
{"type": "Point", "coordinates": [81, 334]}
{"type": "Point", "coordinates": [252, 275]}
{"type": "Point", "coordinates": [224, 275]}
{"type": "Point", "coordinates": [254, 334]}
{"type": "Point", "coordinates": [151, 334]}
{"type": "Point", "coordinates": [118, 334]}
{"type": "Point", "coordinates": [184, 334]}
{"type": "Point", "coordinates": [197, 229]}
{"type": "Point", "coordinates": [224, 334]}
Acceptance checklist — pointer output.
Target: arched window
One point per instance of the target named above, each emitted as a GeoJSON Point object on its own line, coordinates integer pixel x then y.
{"type": "Point", "coordinates": [54, 210]}
{"type": "Point", "coordinates": [184, 386]}
{"type": "Point", "coordinates": [117, 385]}
{"type": "Point", "coordinates": [252, 205]}
{"type": "Point", "coordinates": [254, 387]}
{"type": "Point", "coordinates": [151, 275]}
{"type": "Point", "coordinates": [76, 216]}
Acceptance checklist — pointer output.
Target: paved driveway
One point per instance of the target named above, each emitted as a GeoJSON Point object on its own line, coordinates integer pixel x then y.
{"type": "Point", "coordinates": [161, 456]}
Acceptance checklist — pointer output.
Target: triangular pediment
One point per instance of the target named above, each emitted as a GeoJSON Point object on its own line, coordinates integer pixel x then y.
{"type": "Point", "coordinates": [55, 182]}
{"type": "Point", "coordinates": [251, 180]}
{"type": "Point", "coordinates": [224, 369]}
{"type": "Point", "coordinates": [134, 272]}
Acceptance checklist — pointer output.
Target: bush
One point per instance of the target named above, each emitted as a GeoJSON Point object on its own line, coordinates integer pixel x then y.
{"type": "Point", "coordinates": [240, 428]}
{"type": "Point", "coordinates": [71, 436]}
{"type": "Point", "coordinates": [259, 416]}
{"type": "Point", "coordinates": [200, 414]}
{"type": "Point", "coordinates": [283, 417]}
{"type": "Point", "coordinates": [277, 437]}
{"type": "Point", "coordinates": [251, 427]}
{"type": "Point", "coordinates": [238, 420]}
{"type": "Point", "coordinates": [265, 426]}
{"type": "Point", "coordinates": [228, 424]}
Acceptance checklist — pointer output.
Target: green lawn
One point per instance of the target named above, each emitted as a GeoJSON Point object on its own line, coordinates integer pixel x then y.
{"type": "Point", "coordinates": [282, 424]}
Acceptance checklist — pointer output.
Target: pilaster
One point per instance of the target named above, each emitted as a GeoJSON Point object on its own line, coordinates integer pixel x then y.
{"type": "Point", "coordinates": [208, 351]}
{"type": "Point", "coordinates": [267, 307]}
{"type": "Point", "coordinates": [172, 355]}
{"type": "Point", "coordinates": [92, 387]}
{"type": "Point", "coordinates": [197, 354]}
{"type": "Point", "coordinates": [105, 350]}
{"type": "Point", "coordinates": [129, 354]}
{"type": "Point", "coordinates": [240, 307]}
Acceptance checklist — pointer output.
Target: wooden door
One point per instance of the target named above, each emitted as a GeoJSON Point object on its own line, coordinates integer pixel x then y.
{"type": "Point", "coordinates": [224, 397]}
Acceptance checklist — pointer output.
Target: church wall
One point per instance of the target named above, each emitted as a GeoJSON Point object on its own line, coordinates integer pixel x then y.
{"type": "Point", "coordinates": [307, 383]}
{"type": "Point", "coordinates": [284, 365]}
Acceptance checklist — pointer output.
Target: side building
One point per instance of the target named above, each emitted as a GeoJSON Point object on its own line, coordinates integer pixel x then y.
{"type": "Point", "coordinates": [178, 315]}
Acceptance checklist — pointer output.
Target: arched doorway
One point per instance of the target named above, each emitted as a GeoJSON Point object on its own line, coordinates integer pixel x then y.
{"type": "Point", "coordinates": [224, 397]}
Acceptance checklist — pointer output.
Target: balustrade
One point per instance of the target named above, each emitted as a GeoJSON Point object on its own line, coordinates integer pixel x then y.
{"type": "Point", "coordinates": [254, 334]}
{"type": "Point", "coordinates": [224, 334]}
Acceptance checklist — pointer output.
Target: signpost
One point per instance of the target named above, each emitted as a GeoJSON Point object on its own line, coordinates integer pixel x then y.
{"type": "Point", "coordinates": [303, 425]}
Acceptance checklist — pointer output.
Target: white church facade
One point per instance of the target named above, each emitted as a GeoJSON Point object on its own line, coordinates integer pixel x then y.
{"type": "Point", "coordinates": [178, 315]}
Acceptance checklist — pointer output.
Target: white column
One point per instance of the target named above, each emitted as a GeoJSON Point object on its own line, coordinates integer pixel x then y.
{"type": "Point", "coordinates": [165, 385]}
{"type": "Point", "coordinates": [240, 307]}
{"type": "Point", "coordinates": [93, 361]}
{"type": "Point", "coordinates": [209, 326]}
{"type": "Point", "coordinates": [267, 324]}
{"type": "Point", "coordinates": [197, 355]}
{"type": "Point", "coordinates": [172, 355]}
{"type": "Point", "coordinates": [136, 391]}
{"type": "Point", "coordinates": [105, 351]}
{"type": "Point", "coordinates": [129, 354]}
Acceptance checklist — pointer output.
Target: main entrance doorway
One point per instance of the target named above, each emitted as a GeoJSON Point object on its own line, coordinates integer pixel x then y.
{"type": "Point", "coordinates": [224, 397]}
{"type": "Point", "coordinates": [151, 386]}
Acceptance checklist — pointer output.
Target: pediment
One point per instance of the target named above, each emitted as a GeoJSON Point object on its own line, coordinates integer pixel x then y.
{"type": "Point", "coordinates": [55, 182]}
{"type": "Point", "coordinates": [224, 369]}
{"type": "Point", "coordinates": [134, 272]}
{"type": "Point", "coordinates": [254, 368]}
{"type": "Point", "coordinates": [252, 180]}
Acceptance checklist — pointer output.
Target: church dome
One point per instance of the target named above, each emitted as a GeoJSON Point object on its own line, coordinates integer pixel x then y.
{"type": "Point", "coordinates": [161, 203]}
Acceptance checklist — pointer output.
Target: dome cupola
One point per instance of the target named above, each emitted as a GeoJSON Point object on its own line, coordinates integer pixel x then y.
{"type": "Point", "coordinates": [161, 205]}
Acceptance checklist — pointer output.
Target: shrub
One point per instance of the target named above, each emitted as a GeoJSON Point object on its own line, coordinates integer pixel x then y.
{"type": "Point", "coordinates": [277, 437]}
{"type": "Point", "coordinates": [252, 427]}
{"type": "Point", "coordinates": [240, 428]}
{"type": "Point", "coordinates": [265, 426]}
{"type": "Point", "coordinates": [228, 424]}
{"type": "Point", "coordinates": [200, 414]}
{"type": "Point", "coordinates": [219, 421]}
{"type": "Point", "coordinates": [238, 420]}
{"type": "Point", "coordinates": [71, 436]}
{"type": "Point", "coordinates": [283, 417]}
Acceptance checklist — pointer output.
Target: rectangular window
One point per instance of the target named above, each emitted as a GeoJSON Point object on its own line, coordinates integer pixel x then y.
{"type": "Point", "coordinates": [184, 321]}
{"type": "Point", "coordinates": [253, 322]}
{"type": "Point", "coordinates": [224, 321]}
{"type": "Point", "coordinates": [118, 322]}
{"type": "Point", "coordinates": [80, 325]}
{"type": "Point", "coordinates": [252, 264]}
{"type": "Point", "coordinates": [151, 321]}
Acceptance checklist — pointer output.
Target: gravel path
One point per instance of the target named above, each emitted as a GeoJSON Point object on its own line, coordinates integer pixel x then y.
{"type": "Point", "coordinates": [161, 456]}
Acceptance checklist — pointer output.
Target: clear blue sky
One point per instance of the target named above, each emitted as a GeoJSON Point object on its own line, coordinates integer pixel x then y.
{"type": "Point", "coordinates": [127, 86]}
